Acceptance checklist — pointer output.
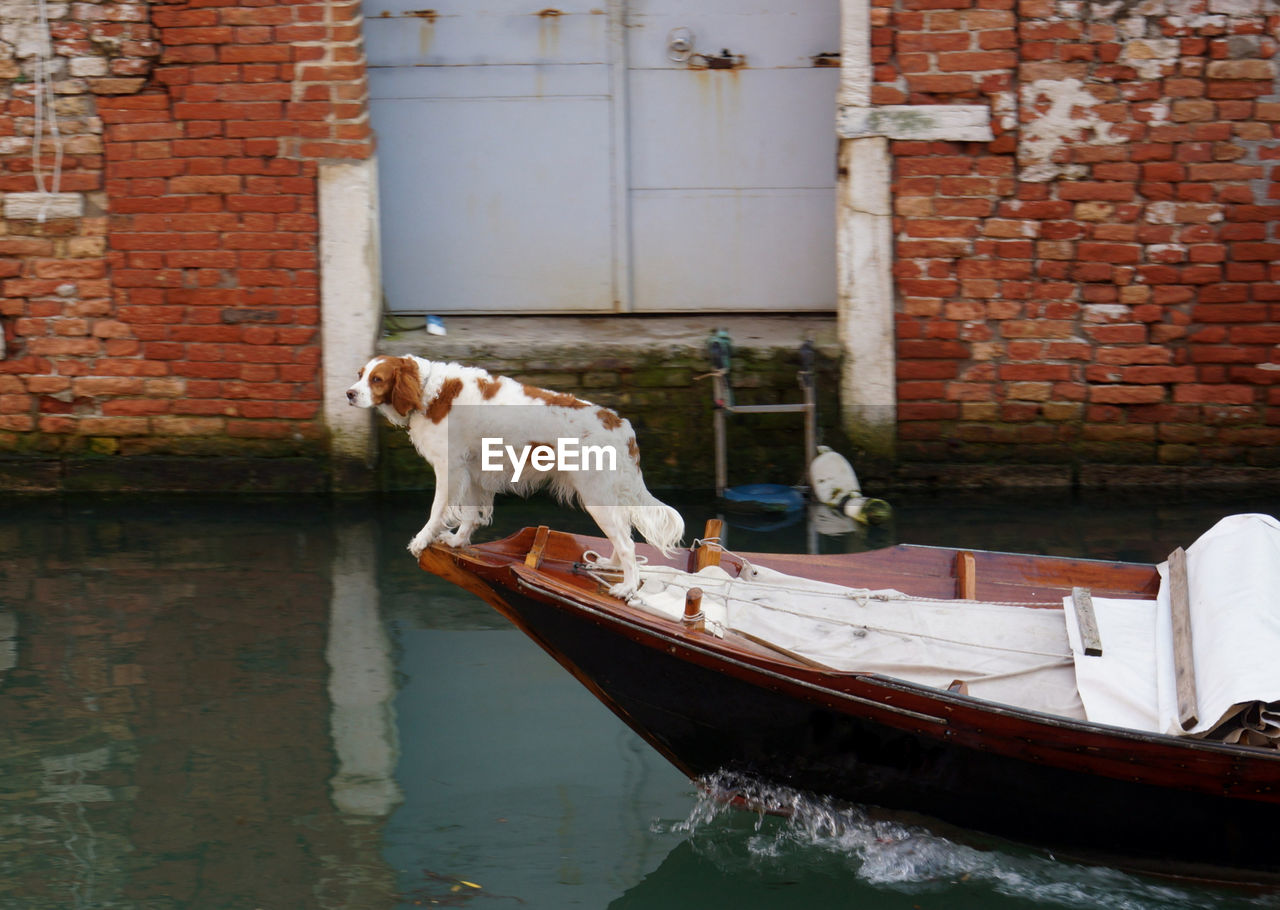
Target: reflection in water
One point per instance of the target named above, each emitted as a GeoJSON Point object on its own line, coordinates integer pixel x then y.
{"type": "Point", "coordinates": [361, 684]}
{"type": "Point", "coordinates": [8, 641]}
{"type": "Point", "coordinates": [167, 720]}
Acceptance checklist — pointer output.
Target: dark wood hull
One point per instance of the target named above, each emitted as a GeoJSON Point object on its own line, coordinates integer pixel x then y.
{"type": "Point", "coordinates": [1093, 792]}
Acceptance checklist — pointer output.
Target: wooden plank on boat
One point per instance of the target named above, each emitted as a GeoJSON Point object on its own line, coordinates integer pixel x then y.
{"type": "Point", "coordinates": [966, 576]}
{"type": "Point", "coordinates": [1184, 668]}
{"type": "Point", "coordinates": [1082, 600]}
{"type": "Point", "coordinates": [709, 553]}
{"type": "Point", "coordinates": [533, 558]}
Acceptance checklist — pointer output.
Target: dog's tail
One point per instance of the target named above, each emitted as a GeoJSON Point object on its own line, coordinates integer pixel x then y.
{"type": "Point", "coordinates": [657, 523]}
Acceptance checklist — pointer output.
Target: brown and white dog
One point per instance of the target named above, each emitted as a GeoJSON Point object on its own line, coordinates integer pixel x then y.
{"type": "Point", "coordinates": [486, 434]}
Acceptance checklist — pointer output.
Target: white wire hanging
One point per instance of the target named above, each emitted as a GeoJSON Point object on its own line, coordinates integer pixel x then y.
{"type": "Point", "coordinates": [46, 117]}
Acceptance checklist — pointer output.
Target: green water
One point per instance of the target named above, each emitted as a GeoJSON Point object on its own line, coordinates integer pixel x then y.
{"type": "Point", "coordinates": [264, 704]}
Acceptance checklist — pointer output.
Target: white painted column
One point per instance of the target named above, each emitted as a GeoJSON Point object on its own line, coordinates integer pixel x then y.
{"type": "Point", "coordinates": [864, 255]}
{"type": "Point", "coordinates": [350, 300]}
{"type": "Point", "coordinates": [864, 229]}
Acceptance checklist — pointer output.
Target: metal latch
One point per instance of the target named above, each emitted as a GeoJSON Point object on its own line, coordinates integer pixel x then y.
{"type": "Point", "coordinates": [680, 45]}
{"type": "Point", "coordinates": [725, 60]}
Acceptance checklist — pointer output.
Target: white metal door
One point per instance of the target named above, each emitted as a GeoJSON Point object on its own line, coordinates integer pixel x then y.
{"type": "Point", "coordinates": [495, 155]}
{"type": "Point", "coordinates": [568, 160]}
{"type": "Point", "coordinates": [733, 154]}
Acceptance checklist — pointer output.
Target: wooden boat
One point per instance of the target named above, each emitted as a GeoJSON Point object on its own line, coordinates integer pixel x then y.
{"type": "Point", "coordinates": [711, 703]}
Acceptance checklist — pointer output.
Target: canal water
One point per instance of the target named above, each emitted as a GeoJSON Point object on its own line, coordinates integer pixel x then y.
{"type": "Point", "coordinates": [262, 704]}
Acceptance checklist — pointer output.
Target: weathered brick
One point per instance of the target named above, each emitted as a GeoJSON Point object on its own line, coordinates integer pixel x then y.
{"type": "Point", "coordinates": [1215, 394]}
{"type": "Point", "coordinates": [1126, 394]}
{"type": "Point", "coordinates": [1241, 69]}
{"type": "Point", "coordinates": [1132, 333]}
{"type": "Point", "coordinates": [1106, 191]}
{"type": "Point", "coordinates": [1110, 252]}
{"type": "Point", "coordinates": [111, 426]}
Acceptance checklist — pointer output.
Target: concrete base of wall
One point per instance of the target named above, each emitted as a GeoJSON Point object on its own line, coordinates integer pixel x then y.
{"type": "Point", "coordinates": [163, 474]}
{"type": "Point", "coordinates": [947, 478]}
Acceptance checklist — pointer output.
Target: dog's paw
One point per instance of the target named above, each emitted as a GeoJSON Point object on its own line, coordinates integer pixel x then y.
{"type": "Point", "coordinates": [419, 543]}
{"type": "Point", "coordinates": [425, 538]}
{"type": "Point", "coordinates": [455, 539]}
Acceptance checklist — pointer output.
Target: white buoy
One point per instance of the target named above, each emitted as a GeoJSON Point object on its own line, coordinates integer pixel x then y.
{"type": "Point", "coordinates": [835, 484]}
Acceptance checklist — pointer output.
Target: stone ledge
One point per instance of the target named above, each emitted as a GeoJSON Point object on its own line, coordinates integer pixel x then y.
{"type": "Point", "coordinates": [478, 337]}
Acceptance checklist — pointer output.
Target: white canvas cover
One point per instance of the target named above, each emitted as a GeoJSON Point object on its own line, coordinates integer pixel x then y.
{"type": "Point", "coordinates": [1233, 579]}
{"type": "Point", "coordinates": [1119, 687]}
{"type": "Point", "coordinates": [1015, 655]}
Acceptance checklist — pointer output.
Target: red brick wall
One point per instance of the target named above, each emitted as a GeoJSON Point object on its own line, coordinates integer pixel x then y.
{"type": "Point", "coordinates": [1095, 284]}
{"type": "Point", "coordinates": [1098, 283]}
{"type": "Point", "coordinates": [176, 311]}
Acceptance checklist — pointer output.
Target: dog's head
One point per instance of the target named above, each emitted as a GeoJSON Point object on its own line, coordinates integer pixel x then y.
{"type": "Point", "coordinates": [391, 381]}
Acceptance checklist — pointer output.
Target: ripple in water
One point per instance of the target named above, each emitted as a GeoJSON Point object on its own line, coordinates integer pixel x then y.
{"type": "Point", "coordinates": [795, 829]}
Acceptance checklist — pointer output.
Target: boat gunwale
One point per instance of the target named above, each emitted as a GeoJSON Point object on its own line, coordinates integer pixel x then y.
{"type": "Point", "coordinates": [504, 550]}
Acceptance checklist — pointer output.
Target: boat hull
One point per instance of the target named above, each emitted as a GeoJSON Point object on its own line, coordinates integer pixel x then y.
{"type": "Point", "coordinates": [707, 720]}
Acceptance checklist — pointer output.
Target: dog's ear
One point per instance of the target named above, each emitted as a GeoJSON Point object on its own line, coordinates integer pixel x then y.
{"type": "Point", "coordinates": [406, 387]}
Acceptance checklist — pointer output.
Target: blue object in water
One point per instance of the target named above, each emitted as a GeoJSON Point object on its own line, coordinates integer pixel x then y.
{"type": "Point", "coordinates": [764, 497]}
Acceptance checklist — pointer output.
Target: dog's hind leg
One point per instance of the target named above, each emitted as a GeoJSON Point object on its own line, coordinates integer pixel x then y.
{"type": "Point", "coordinates": [616, 524]}
{"type": "Point", "coordinates": [475, 511]}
